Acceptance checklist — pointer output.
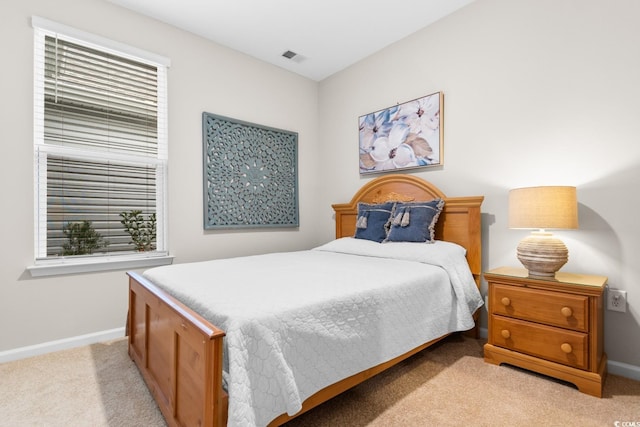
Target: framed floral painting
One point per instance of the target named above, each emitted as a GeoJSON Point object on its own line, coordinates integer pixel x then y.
{"type": "Point", "coordinates": [404, 136]}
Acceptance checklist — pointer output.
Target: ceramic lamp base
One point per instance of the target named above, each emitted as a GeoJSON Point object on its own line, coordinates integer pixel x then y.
{"type": "Point", "coordinates": [542, 254]}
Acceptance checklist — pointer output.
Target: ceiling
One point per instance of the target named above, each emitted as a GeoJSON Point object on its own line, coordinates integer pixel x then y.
{"type": "Point", "coordinates": [327, 35]}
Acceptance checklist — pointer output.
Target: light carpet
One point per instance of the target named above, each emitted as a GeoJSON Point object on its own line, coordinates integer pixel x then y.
{"type": "Point", "coordinates": [446, 385]}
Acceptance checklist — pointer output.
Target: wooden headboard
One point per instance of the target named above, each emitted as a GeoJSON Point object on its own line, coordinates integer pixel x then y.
{"type": "Point", "coordinates": [459, 222]}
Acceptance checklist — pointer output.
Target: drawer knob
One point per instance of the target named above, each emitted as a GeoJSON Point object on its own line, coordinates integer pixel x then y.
{"type": "Point", "coordinates": [566, 347]}
{"type": "Point", "coordinates": [505, 334]}
{"type": "Point", "coordinates": [566, 311]}
{"type": "Point", "coordinates": [505, 301]}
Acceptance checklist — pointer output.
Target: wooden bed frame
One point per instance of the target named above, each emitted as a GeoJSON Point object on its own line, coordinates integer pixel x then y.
{"type": "Point", "coordinates": [179, 353]}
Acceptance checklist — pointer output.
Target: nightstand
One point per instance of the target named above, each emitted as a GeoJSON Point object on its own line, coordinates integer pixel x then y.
{"type": "Point", "coordinates": [551, 326]}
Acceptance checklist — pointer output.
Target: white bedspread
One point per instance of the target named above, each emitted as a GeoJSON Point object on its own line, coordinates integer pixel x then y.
{"type": "Point", "coordinates": [297, 322]}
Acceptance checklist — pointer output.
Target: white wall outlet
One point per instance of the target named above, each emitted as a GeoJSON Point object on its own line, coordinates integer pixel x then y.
{"type": "Point", "coordinates": [616, 300]}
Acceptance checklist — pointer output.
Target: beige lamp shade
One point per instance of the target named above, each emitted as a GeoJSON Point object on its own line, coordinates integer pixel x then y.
{"type": "Point", "coordinates": [543, 208]}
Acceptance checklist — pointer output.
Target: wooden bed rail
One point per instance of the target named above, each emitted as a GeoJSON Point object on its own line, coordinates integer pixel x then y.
{"type": "Point", "coordinates": [180, 356]}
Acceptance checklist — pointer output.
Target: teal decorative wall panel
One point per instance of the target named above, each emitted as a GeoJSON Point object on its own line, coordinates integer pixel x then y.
{"type": "Point", "coordinates": [250, 174]}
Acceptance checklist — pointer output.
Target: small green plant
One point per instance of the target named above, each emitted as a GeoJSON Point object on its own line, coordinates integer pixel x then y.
{"type": "Point", "coordinates": [83, 239]}
{"type": "Point", "coordinates": [142, 232]}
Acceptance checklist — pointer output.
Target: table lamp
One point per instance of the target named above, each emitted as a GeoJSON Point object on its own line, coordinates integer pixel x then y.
{"type": "Point", "coordinates": [542, 208]}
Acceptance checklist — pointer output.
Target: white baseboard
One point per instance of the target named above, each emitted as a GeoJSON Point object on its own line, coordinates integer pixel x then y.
{"type": "Point", "coordinates": [624, 369]}
{"type": "Point", "coordinates": [615, 368]}
{"type": "Point", "coordinates": [63, 344]}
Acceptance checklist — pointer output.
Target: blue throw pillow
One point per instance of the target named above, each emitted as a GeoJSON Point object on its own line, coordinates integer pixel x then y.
{"type": "Point", "coordinates": [373, 221]}
{"type": "Point", "coordinates": [415, 221]}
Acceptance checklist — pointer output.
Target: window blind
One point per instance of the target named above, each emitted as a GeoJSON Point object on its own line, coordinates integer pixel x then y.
{"type": "Point", "coordinates": [100, 142]}
{"type": "Point", "coordinates": [98, 101]}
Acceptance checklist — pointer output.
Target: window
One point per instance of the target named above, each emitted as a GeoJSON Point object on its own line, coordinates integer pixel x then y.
{"type": "Point", "coordinates": [100, 148]}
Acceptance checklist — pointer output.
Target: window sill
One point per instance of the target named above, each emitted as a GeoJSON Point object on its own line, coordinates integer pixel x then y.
{"type": "Point", "coordinates": [77, 266]}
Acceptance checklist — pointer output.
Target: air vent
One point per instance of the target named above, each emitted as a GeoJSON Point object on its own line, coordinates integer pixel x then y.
{"type": "Point", "coordinates": [294, 57]}
{"type": "Point", "coordinates": [289, 55]}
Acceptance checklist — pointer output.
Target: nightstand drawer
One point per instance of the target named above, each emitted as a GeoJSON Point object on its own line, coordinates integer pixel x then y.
{"type": "Point", "coordinates": [551, 308]}
{"type": "Point", "coordinates": [554, 344]}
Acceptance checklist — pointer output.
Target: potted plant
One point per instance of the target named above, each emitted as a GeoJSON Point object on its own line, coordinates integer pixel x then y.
{"type": "Point", "coordinates": [142, 231]}
{"type": "Point", "coordinates": [82, 238]}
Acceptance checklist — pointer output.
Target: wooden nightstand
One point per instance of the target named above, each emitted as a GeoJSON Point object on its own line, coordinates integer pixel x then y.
{"type": "Point", "coordinates": [554, 327]}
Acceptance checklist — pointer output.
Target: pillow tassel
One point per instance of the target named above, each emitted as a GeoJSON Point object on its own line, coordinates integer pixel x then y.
{"type": "Point", "coordinates": [405, 219]}
{"type": "Point", "coordinates": [397, 219]}
{"type": "Point", "coordinates": [362, 222]}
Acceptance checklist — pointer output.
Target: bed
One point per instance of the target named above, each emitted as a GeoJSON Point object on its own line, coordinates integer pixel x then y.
{"type": "Point", "coordinates": [188, 353]}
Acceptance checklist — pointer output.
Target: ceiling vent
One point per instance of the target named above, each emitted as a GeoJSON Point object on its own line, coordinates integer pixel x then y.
{"type": "Point", "coordinates": [289, 55]}
{"type": "Point", "coordinates": [295, 57]}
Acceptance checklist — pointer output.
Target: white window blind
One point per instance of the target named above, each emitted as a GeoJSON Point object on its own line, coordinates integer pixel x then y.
{"type": "Point", "coordinates": [100, 115]}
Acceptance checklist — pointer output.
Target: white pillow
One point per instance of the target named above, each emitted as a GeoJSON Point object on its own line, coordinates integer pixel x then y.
{"type": "Point", "coordinates": [436, 253]}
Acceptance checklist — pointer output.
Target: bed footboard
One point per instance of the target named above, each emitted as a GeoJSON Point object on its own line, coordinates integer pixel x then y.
{"type": "Point", "coordinates": [179, 355]}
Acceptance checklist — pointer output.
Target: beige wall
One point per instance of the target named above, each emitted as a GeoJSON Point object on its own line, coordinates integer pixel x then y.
{"type": "Point", "coordinates": [203, 77]}
{"type": "Point", "coordinates": [536, 93]}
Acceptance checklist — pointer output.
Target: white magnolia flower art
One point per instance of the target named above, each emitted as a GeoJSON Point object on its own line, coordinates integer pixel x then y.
{"type": "Point", "coordinates": [404, 136]}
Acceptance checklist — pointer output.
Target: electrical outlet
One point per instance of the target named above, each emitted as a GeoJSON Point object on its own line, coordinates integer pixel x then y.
{"type": "Point", "coordinates": [616, 300]}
